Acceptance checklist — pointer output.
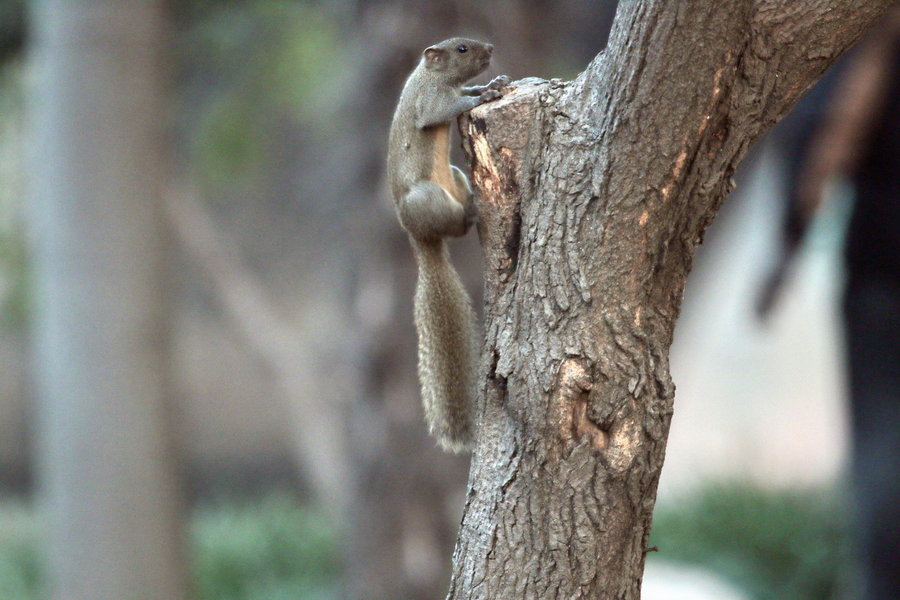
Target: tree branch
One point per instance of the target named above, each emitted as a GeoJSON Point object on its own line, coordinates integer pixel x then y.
{"type": "Point", "coordinates": [593, 196]}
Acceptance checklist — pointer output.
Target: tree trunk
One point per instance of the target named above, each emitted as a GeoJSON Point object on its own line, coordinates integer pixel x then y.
{"type": "Point", "coordinates": [107, 469]}
{"type": "Point", "coordinates": [594, 194]}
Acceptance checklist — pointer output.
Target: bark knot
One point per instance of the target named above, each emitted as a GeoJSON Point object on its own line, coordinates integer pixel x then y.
{"type": "Point", "coordinates": [571, 396]}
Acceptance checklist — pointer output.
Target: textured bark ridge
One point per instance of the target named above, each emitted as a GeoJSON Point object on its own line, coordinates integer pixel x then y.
{"type": "Point", "coordinates": [594, 194]}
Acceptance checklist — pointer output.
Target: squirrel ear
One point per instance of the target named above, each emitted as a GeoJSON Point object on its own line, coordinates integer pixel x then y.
{"type": "Point", "coordinates": [435, 58]}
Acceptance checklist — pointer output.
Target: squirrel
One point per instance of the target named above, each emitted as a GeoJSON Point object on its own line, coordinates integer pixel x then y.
{"type": "Point", "coordinates": [433, 200]}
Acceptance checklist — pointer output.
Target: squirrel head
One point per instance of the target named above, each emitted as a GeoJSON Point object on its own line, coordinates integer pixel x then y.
{"type": "Point", "coordinates": [458, 59]}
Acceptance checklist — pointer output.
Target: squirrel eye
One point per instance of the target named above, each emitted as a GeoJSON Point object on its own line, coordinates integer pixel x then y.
{"type": "Point", "coordinates": [462, 48]}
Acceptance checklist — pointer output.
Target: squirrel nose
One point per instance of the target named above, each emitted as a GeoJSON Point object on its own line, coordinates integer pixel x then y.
{"type": "Point", "coordinates": [489, 48]}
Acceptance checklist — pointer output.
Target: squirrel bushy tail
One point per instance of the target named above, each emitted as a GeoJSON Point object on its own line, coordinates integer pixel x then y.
{"type": "Point", "coordinates": [448, 356]}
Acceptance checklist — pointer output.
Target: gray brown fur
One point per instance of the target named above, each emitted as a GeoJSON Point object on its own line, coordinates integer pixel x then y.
{"type": "Point", "coordinates": [433, 200]}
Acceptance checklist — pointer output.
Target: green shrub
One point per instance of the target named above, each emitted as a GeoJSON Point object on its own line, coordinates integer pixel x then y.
{"type": "Point", "coordinates": [19, 562]}
{"type": "Point", "coordinates": [790, 545]}
{"type": "Point", "coordinates": [775, 545]}
{"type": "Point", "coordinates": [271, 550]}
{"type": "Point", "coordinates": [268, 549]}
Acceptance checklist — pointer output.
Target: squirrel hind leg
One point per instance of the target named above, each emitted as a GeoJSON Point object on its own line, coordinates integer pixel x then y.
{"type": "Point", "coordinates": [428, 212]}
{"type": "Point", "coordinates": [465, 188]}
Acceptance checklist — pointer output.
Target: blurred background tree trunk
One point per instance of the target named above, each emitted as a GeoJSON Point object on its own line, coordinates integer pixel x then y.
{"type": "Point", "coordinates": [107, 467]}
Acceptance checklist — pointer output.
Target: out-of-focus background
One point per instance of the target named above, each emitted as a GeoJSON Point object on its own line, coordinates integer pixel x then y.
{"type": "Point", "coordinates": [303, 461]}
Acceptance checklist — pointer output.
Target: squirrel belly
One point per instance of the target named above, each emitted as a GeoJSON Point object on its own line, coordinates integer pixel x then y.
{"type": "Point", "coordinates": [433, 200]}
{"type": "Point", "coordinates": [441, 170]}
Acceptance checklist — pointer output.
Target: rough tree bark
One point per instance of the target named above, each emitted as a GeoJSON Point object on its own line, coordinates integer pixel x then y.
{"type": "Point", "coordinates": [594, 194]}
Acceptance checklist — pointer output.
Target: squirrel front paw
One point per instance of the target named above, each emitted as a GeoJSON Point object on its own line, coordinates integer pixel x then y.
{"type": "Point", "coordinates": [488, 95]}
{"type": "Point", "coordinates": [501, 81]}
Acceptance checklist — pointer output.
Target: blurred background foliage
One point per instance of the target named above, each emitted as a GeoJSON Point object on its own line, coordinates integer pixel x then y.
{"type": "Point", "coordinates": [271, 548]}
{"type": "Point", "coordinates": [255, 67]}
{"type": "Point", "coordinates": [774, 545]}
{"type": "Point", "coordinates": [787, 545]}
{"type": "Point", "coordinates": [13, 265]}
